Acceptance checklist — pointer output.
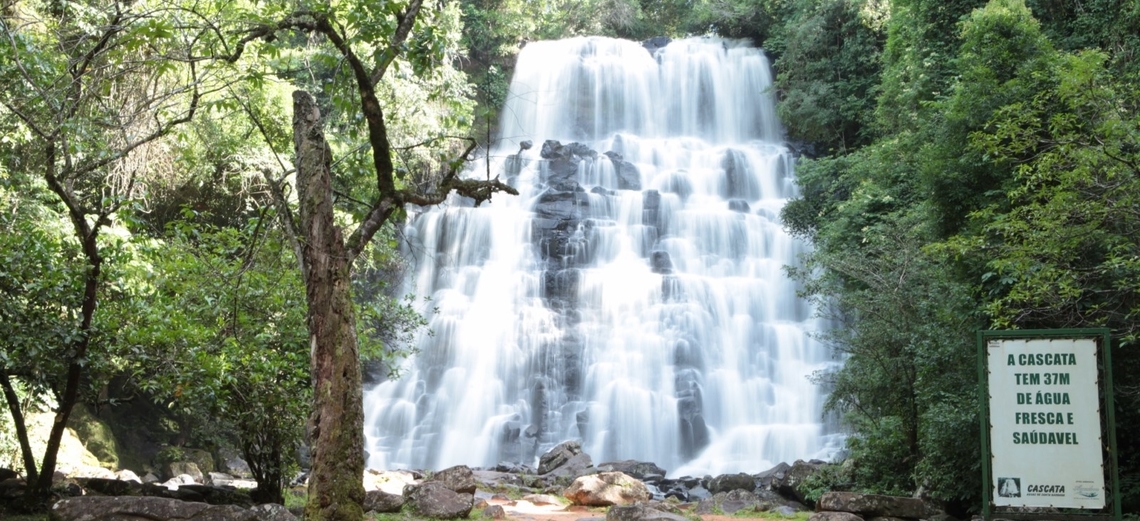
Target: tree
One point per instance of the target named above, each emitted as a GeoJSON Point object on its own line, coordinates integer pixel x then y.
{"type": "Point", "coordinates": [73, 77]}
{"type": "Point", "coordinates": [327, 252]}
{"type": "Point", "coordinates": [828, 74]}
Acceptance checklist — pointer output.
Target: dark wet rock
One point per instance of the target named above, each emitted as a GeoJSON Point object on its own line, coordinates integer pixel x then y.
{"type": "Point", "coordinates": [552, 149]}
{"type": "Point", "coordinates": [628, 176]}
{"type": "Point", "coordinates": [738, 205]}
{"type": "Point", "coordinates": [633, 468]}
{"type": "Point", "coordinates": [792, 484]}
{"type": "Point", "coordinates": [730, 482]}
{"type": "Point", "coordinates": [660, 262]}
{"type": "Point", "coordinates": [109, 487]}
{"type": "Point", "coordinates": [656, 43]}
{"type": "Point", "coordinates": [565, 460]}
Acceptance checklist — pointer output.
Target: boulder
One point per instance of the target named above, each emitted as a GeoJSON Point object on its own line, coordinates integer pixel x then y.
{"type": "Point", "coordinates": [872, 505]}
{"type": "Point", "coordinates": [218, 479]}
{"type": "Point", "coordinates": [606, 489]}
{"type": "Point", "coordinates": [730, 503]}
{"type": "Point", "coordinates": [730, 482]}
{"type": "Point", "coordinates": [383, 502]}
{"type": "Point", "coordinates": [628, 176]}
{"type": "Point", "coordinates": [12, 488]}
{"type": "Point", "coordinates": [552, 149]}
{"type": "Point", "coordinates": [661, 262]}
{"type": "Point", "coordinates": [495, 512]}
{"type": "Point", "coordinates": [179, 468]}
{"type": "Point", "coordinates": [834, 516]}
{"type": "Point", "coordinates": [633, 468]}
{"type": "Point", "coordinates": [739, 205]}
{"type": "Point", "coordinates": [273, 512]}
{"type": "Point", "coordinates": [6, 474]}
{"type": "Point", "coordinates": [118, 508]}
{"type": "Point", "coordinates": [457, 479]}
{"type": "Point", "coordinates": [231, 462]}
{"type": "Point", "coordinates": [641, 513]}
{"type": "Point", "coordinates": [150, 478]}
{"type": "Point", "coordinates": [566, 459]}
{"type": "Point", "coordinates": [436, 501]}
{"type": "Point", "coordinates": [791, 485]}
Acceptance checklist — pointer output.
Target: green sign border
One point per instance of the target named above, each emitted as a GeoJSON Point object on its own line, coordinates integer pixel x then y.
{"type": "Point", "coordinates": [1104, 353]}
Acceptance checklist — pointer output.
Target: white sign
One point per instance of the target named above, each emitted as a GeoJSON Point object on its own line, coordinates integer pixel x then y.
{"type": "Point", "coordinates": [1045, 423]}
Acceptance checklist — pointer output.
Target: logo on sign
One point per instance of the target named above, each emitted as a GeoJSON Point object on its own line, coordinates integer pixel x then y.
{"type": "Point", "coordinates": [1009, 487]}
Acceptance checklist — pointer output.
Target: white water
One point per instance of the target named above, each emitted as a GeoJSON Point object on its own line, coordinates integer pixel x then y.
{"type": "Point", "coordinates": [538, 341]}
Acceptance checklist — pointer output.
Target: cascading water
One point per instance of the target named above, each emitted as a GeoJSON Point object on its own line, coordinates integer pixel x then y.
{"type": "Point", "coordinates": [632, 296]}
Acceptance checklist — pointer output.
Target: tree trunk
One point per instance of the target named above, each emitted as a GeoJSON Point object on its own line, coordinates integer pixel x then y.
{"type": "Point", "coordinates": [87, 232]}
{"type": "Point", "coordinates": [336, 489]}
{"type": "Point", "coordinates": [21, 429]}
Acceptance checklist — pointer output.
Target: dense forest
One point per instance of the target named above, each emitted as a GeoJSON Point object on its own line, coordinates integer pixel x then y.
{"type": "Point", "coordinates": [963, 165]}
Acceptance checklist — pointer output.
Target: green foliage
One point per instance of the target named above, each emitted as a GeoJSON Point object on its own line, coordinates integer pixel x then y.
{"type": "Point", "coordinates": [219, 333]}
{"type": "Point", "coordinates": [829, 477]}
{"type": "Point", "coordinates": [828, 73]}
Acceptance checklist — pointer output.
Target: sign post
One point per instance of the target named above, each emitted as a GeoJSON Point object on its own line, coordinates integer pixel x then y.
{"type": "Point", "coordinates": [1046, 399]}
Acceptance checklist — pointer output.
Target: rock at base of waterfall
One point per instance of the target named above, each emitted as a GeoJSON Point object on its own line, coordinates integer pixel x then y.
{"type": "Point", "coordinates": [792, 484]}
{"type": "Point", "coordinates": [495, 512]}
{"type": "Point", "coordinates": [566, 459]}
{"type": "Point", "coordinates": [730, 482]}
{"type": "Point", "coordinates": [641, 513]}
{"type": "Point", "coordinates": [457, 479]}
{"type": "Point", "coordinates": [873, 505]}
{"type": "Point", "coordinates": [637, 469]}
{"type": "Point", "coordinates": [383, 502]}
{"type": "Point", "coordinates": [438, 502]}
{"type": "Point", "coordinates": [606, 489]}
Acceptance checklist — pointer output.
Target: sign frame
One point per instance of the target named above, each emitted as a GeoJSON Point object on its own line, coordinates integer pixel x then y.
{"type": "Point", "coordinates": [1103, 339]}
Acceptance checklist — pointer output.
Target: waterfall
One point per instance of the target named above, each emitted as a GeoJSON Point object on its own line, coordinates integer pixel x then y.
{"type": "Point", "coordinates": [633, 295]}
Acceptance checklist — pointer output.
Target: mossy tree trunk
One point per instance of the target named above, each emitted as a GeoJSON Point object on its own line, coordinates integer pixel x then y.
{"type": "Point", "coordinates": [335, 426]}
